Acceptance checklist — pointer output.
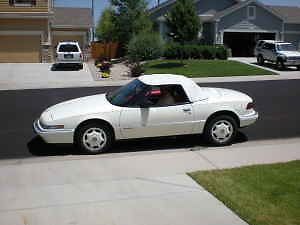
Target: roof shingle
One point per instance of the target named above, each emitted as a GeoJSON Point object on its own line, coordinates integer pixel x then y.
{"type": "Point", "coordinates": [290, 13]}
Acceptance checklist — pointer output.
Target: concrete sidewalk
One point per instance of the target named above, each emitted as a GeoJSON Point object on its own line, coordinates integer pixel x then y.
{"type": "Point", "coordinates": [127, 188]}
{"type": "Point", "coordinates": [39, 76]}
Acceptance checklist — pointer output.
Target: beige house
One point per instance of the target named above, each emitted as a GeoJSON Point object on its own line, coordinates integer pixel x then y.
{"type": "Point", "coordinates": [30, 29]}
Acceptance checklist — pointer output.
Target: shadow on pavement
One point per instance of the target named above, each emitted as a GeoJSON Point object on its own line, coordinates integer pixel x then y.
{"type": "Point", "coordinates": [38, 147]}
{"type": "Point", "coordinates": [57, 67]}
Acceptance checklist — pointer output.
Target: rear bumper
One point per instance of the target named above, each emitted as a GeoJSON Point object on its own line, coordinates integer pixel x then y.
{"type": "Point", "coordinates": [75, 62]}
{"type": "Point", "coordinates": [53, 136]}
{"type": "Point", "coordinates": [247, 120]}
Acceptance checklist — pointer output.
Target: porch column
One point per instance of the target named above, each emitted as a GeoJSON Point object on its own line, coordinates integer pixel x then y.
{"type": "Point", "coordinates": [282, 31]}
{"type": "Point", "coordinates": [216, 31]}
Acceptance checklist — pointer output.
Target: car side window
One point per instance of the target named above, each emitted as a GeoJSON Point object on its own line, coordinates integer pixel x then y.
{"type": "Point", "coordinates": [168, 95]}
{"type": "Point", "coordinates": [266, 46]}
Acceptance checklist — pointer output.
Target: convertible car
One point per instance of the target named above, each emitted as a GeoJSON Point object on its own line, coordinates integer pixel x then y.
{"type": "Point", "coordinates": [149, 106]}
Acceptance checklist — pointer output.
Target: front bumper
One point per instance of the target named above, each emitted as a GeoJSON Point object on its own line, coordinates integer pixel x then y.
{"type": "Point", "coordinates": [53, 136]}
{"type": "Point", "coordinates": [247, 120]}
{"type": "Point", "coordinates": [295, 62]}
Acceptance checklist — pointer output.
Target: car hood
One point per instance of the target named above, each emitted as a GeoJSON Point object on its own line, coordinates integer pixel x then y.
{"type": "Point", "coordinates": [79, 106]}
{"type": "Point", "coordinates": [221, 94]}
{"type": "Point", "coordinates": [290, 53]}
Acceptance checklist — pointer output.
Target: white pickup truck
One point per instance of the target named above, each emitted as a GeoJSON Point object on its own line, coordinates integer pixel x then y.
{"type": "Point", "coordinates": [282, 53]}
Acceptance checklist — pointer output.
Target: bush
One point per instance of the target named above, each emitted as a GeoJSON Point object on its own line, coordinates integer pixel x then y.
{"type": "Point", "coordinates": [136, 69]}
{"type": "Point", "coordinates": [145, 46]}
{"type": "Point", "coordinates": [177, 51]}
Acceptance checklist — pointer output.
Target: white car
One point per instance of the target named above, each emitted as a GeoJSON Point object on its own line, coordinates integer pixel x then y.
{"type": "Point", "coordinates": [149, 106]}
{"type": "Point", "coordinates": [69, 53]}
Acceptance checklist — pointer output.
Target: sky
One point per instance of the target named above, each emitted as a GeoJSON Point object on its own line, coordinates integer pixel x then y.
{"type": "Point", "coordinates": [101, 4]}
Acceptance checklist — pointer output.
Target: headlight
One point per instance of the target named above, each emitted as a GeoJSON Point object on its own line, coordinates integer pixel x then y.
{"type": "Point", "coordinates": [54, 127]}
{"type": "Point", "coordinates": [282, 56]}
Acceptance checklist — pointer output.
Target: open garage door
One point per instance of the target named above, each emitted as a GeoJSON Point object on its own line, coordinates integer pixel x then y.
{"type": "Point", "coordinates": [20, 48]}
{"type": "Point", "coordinates": [243, 44]}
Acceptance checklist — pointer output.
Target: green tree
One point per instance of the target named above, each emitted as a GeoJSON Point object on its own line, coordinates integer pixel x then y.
{"type": "Point", "coordinates": [106, 28]}
{"type": "Point", "coordinates": [130, 18]}
{"type": "Point", "coordinates": [183, 22]}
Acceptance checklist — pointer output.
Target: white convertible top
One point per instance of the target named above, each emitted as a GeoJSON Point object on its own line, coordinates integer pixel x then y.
{"type": "Point", "coordinates": [193, 91]}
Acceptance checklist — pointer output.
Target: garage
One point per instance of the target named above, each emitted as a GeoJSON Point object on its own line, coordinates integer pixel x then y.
{"type": "Point", "coordinates": [58, 38]}
{"type": "Point", "coordinates": [242, 44]}
{"type": "Point", "coordinates": [20, 49]}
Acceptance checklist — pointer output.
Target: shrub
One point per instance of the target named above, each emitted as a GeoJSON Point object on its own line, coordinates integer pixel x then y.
{"type": "Point", "coordinates": [221, 52]}
{"type": "Point", "coordinates": [177, 51]}
{"type": "Point", "coordinates": [136, 69]}
{"type": "Point", "coordinates": [145, 46]}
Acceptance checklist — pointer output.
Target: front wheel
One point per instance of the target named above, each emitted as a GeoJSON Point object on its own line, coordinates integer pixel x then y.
{"type": "Point", "coordinates": [94, 138]}
{"type": "Point", "coordinates": [260, 60]}
{"type": "Point", "coordinates": [221, 131]}
{"type": "Point", "coordinates": [280, 65]}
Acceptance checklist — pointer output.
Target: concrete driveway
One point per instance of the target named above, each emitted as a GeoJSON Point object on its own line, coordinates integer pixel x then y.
{"type": "Point", "coordinates": [40, 75]}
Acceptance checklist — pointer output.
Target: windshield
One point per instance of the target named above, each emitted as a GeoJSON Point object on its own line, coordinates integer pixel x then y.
{"type": "Point", "coordinates": [126, 94]}
{"type": "Point", "coordinates": [286, 47]}
{"type": "Point", "coordinates": [68, 48]}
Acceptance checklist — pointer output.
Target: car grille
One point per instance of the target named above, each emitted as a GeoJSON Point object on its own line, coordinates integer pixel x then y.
{"type": "Point", "coordinates": [294, 58]}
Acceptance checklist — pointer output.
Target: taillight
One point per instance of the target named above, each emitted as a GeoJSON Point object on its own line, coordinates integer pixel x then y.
{"type": "Point", "coordinates": [250, 105]}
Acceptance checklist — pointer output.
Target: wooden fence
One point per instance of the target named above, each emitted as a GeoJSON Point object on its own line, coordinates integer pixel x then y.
{"type": "Point", "coordinates": [104, 50]}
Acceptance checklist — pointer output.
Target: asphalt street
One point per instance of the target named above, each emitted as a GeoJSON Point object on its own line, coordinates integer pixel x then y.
{"type": "Point", "coordinates": [276, 101]}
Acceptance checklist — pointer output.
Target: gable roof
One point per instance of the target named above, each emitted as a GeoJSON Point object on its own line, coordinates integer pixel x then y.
{"type": "Point", "coordinates": [72, 17]}
{"type": "Point", "coordinates": [170, 2]}
{"type": "Point", "coordinates": [242, 4]}
{"type": "Point", "coordinates": [291, 13]}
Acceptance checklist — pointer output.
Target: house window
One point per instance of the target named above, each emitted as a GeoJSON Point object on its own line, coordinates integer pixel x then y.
{"type": "Point", "coordinates": [23, 2]}
{"type": "Point", "coordinates": [251, 12]}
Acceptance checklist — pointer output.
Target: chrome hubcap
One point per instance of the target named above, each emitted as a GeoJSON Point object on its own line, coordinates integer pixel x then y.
{"type": "Point", "coordinates": [222, 131]}
{"type": "Point", "coordinates": [94, 139]}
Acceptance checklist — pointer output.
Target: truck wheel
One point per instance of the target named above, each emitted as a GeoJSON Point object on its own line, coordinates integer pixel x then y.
{"type": "Point", "coordinates": [260, 60]}
{"type": "Point", "coordinates": [221, 131]}
{"type": "Point", "coordinates": [280, 64]}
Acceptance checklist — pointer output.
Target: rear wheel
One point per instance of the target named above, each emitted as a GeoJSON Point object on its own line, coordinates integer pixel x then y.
{"type": "Point", "coordinates": [94, 138]}
{"type": "Point", "coordinates": [221, 130]}
{"type": "Point", "coordinates": [260, 60]}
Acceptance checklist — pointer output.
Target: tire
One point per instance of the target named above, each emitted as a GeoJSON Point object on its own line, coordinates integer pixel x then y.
{"type": "Point", "coordinates": [280, 64]}
{"type": "Point", "coordinates": [225, 134]}
{"type": "Point", "coordinates": [260, 60]}
{"type": "Point", "coordinates": [94, 138]}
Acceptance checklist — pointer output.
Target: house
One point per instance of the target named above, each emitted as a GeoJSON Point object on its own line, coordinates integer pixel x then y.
{"type": "Point", "coordinates": [239, 24]}
{"type": "Point", "coordinates": [30, 29]}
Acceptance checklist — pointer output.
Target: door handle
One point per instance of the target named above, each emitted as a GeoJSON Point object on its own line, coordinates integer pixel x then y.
{"type": "Point", "coordinates": [186, 110]}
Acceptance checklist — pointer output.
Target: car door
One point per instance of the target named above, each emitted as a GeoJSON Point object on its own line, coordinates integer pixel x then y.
{"type": "Point", "coordinates": [162, 118]}
{"type": "Point", "coordinates": [266, 51]}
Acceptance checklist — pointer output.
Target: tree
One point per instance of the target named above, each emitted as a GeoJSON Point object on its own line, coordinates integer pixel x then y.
{"type": "Point", "coordinates": [130, 18]}
{"type": "Point", "coordinates": [106, 28]}
{"type": "Point", "coordinates": [183, 22]}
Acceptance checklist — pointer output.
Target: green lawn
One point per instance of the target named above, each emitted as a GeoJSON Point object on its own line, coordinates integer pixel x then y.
{"type": "Point", "coordinates": [203, 68]}
{"type": "Point", "coordinates": [261, 195]}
